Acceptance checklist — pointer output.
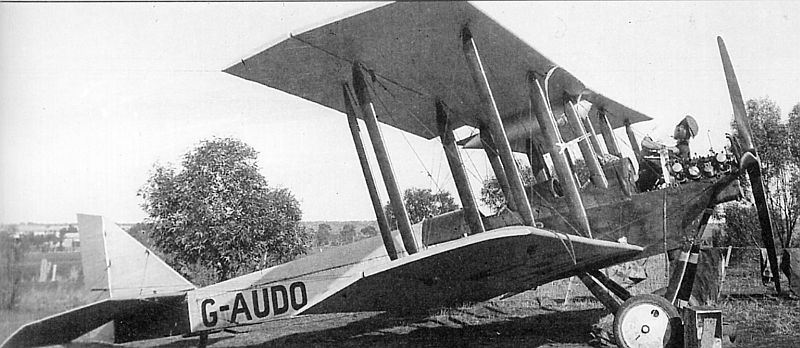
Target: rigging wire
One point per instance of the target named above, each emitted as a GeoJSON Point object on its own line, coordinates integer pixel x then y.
{"type": "Point", "coordinates": [353, 62]}
{"type": "Point", "coordinates": [414, 151]}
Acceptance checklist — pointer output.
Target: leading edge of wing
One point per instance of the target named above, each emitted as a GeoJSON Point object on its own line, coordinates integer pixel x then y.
{"type": "Point", "coordinates": [474, 269]}
{"type": "Point", "coordinates": [414, 50]}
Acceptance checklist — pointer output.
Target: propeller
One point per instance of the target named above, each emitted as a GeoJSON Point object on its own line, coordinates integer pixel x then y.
{"type": "Point", "coordinates": [750, 162]}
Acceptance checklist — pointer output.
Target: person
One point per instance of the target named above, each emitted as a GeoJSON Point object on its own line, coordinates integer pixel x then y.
{"type": "Point", "coordinates": [684, 131]}
{"type": "Point", "coordinates": [650, 168]}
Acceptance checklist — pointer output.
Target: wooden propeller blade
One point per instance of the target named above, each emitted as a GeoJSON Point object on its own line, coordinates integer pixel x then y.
{"type": "Point", "coordinates": [739, 113]}
{"type": "Point", "coordinates": [751, 162]}
{"type": "Point", "coordinates": [760, 198]}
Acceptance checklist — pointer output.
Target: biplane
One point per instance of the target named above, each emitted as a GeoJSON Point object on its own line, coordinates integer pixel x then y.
{"type": "Point", "coordinates": [427, 69]}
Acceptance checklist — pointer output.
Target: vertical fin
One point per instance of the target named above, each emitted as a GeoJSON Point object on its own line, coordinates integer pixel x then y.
{"type": "Point", "coordinates": [114, 261]}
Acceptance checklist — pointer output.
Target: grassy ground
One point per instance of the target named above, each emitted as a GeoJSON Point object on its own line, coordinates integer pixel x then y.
{"type": "Point", "coordinates": [41, 300]}
{"type": "Point", "coordinates": [536, 318]}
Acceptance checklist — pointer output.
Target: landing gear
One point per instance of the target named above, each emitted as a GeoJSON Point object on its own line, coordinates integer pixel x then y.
{"type": "Point", "coordinates": [203, 341]}
{"type": "Point", "coordinates": [647, 321]}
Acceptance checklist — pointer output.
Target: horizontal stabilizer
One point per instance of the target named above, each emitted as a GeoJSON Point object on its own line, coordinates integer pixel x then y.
{"type": "Point", "coordinates": [136, 319]}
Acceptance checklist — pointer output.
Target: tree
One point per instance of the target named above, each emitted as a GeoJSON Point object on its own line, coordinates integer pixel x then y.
{"type": "Point", "coordinates": [369, 231]}
{"type": "Point", "coordinates": [492, 195]}
{"type": "Point", "coordinates": [421, 204]}
{"type": "Point", "coordinates": [347, 235]}
{"type": "Point", "coordinates": [141, 232]}
{"type": "Point", "coordinates": [218, 212]}
{"type": "Point", "coordinates": [776, 142]}
{"type": "Point", "coordinates": [324, 235]}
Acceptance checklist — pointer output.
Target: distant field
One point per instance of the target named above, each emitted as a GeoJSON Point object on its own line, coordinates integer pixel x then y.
{"type": "Point", "coordinates": [65, 261]}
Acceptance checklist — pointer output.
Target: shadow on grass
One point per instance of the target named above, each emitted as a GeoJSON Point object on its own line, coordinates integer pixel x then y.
{"type": "Point", "coordinates": [181, 343]}
{"type": "Point", "coordinates": [387, 330]}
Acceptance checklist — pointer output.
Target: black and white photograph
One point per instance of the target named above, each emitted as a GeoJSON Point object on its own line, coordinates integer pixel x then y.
{"type": "Point", "coordinates": [390, 174]}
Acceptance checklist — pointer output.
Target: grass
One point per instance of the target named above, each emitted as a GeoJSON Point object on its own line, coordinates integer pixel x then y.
{"type": "Point", "coordinates": [39, 300]}
{"type": "Point", "coordinates": [763, 320]}
{"type": "Point", "coordinates": [535, 317]}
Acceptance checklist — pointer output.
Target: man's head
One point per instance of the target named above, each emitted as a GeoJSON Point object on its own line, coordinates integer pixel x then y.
{"type": "Point", "coordinates": [686, 129]}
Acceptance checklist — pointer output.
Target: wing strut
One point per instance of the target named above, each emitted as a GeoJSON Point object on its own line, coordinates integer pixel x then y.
{"type": "Point", "coordinates": [589, 156]}
{"type": "Point", "coordinates": [632, 139]}
{"type": "Point", "coordinates": [383, 224]}
{"type": "Point", "coordinates": [587, 124]}
{"type": "Point", "coordinates": [547, 123]}
{"type": "Point", "coordinates": [491, 117]}
{"type": "Point", "coordinates": [497, 166]}
{"type": "Point", "coordinates": [608, 133]}
{"type": "Point", "coordinates": [364, 96]}
{"type": "Point", "coordinates": [472, 216]}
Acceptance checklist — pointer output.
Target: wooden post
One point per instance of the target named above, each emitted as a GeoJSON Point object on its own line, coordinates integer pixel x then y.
{"type": "Point", "coordinates": [364, 97]}
{"type": "Point", "coordinates": [608, 133]}
{"type": "Point", "coordinates": [497, 167]}
{"type": "Point", "coordinates": [589, 157]}
{"type": "Point", "coordinates": [380, 216]}
{"type": "Point", "coordinates": [491, 116]}
{"type": "Point", "coordinates": [547, 124]}
{"type": "Point", "coordinates": [471, 214]}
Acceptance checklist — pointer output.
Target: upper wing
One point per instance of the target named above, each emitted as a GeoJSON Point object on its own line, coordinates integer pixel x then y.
{"type": "Point", "coordinates": [414, 50]}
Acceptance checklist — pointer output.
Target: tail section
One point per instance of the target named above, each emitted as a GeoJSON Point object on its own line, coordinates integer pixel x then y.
{"type": "Point", "coordinates": [115, 262]}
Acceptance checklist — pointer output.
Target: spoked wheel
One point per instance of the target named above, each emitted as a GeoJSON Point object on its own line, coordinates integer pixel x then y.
{"type": "Point", "coordinates": [647, 321]}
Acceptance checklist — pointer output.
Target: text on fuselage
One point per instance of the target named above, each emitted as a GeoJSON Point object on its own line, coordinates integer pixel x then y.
{"type": "Point", "coordinates": [255, 304]}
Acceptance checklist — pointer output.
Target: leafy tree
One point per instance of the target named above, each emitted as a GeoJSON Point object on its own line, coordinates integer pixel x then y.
{"type": "Point", "coordinates": [421, 204]}
{"type": "Point", "coordinates": [369, 231]}
{"type": "Point", "coordinates": [492, 195]}
{"type": "Point", "coordinates": [218, 212]}
{"type": "Point", "coordinates": [141, 232]}
{"type": "Point", "coordinates": [776, 141]}
{"type": "Point", "coordinates": [324, 235]}
{"type": "Point", "coordinates": [348, 234]}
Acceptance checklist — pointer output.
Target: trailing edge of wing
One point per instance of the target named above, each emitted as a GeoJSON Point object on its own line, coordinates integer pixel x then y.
{"type": "Point", "coordinates": [414, 51]}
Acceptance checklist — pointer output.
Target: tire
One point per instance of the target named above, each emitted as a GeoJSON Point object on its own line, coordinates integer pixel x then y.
{"type": "Point", "coordinates": [647, 321]}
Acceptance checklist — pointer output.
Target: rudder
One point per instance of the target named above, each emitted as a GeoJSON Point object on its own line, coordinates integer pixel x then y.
{"type": "Point", "coordinates": [115, 262]}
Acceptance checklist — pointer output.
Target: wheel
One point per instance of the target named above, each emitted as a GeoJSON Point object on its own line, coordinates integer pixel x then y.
{"type": "Point", "coordinates": [647, 321]}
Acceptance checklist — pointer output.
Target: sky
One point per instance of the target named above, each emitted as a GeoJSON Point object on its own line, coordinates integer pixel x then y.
{"type": "Point", "coordinates": [93, 95]}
